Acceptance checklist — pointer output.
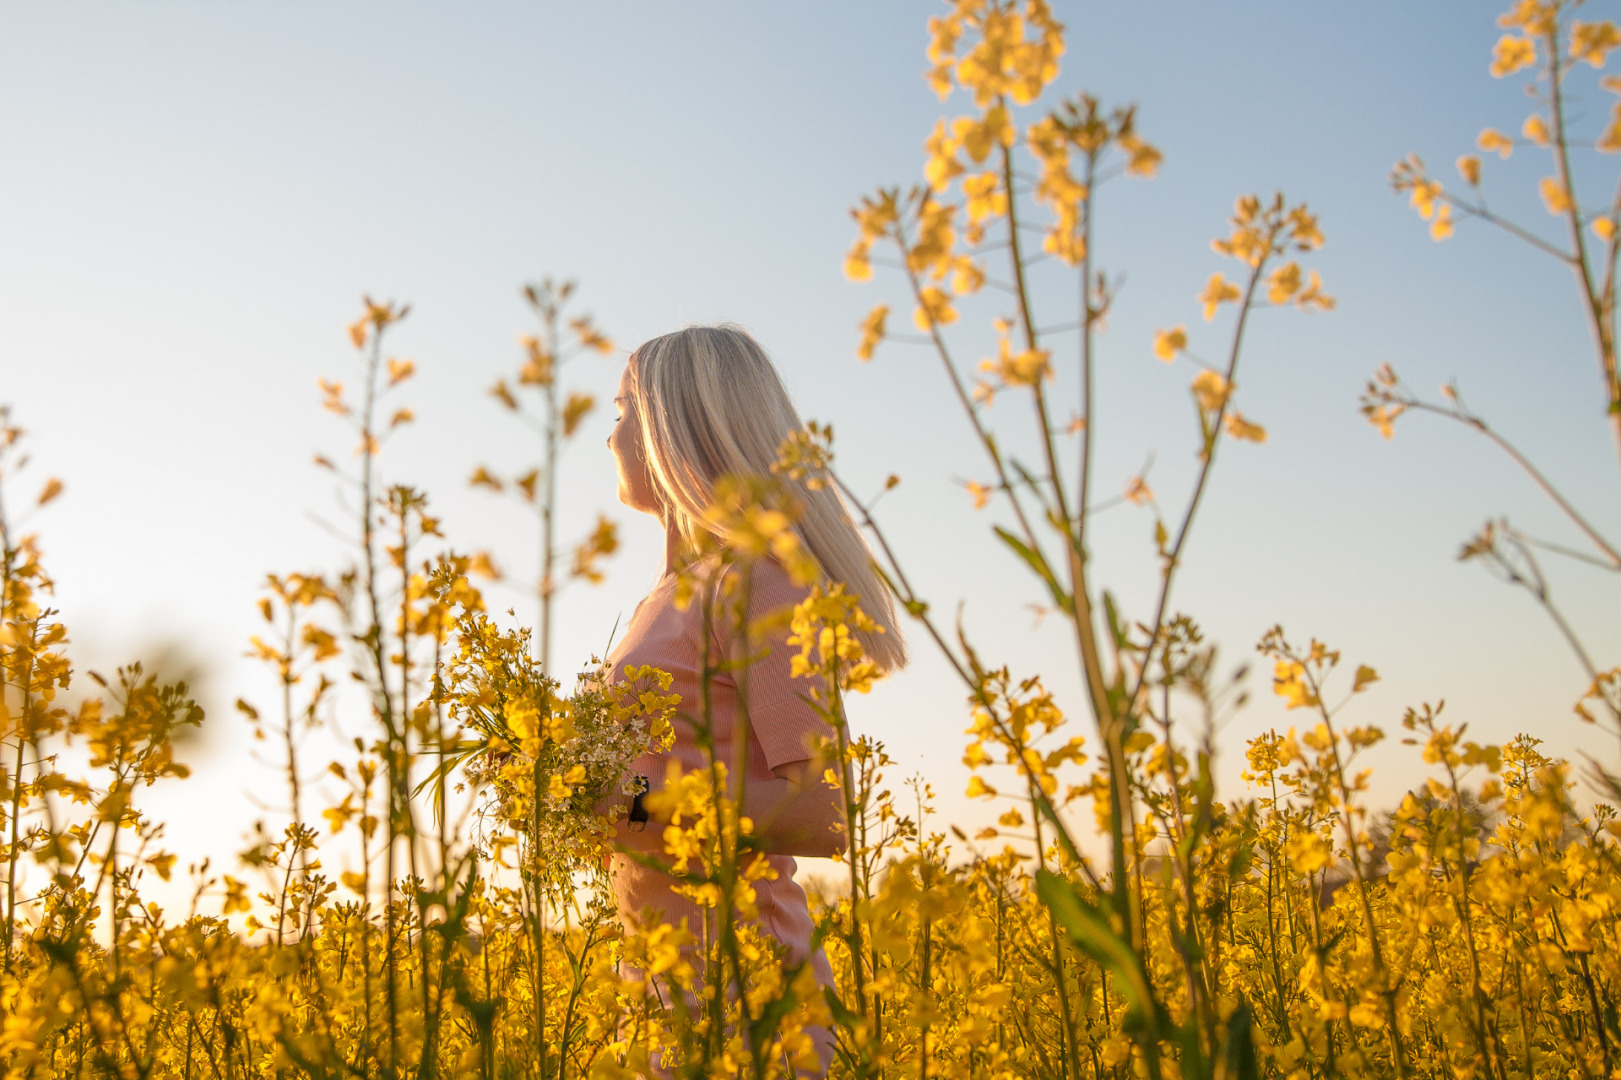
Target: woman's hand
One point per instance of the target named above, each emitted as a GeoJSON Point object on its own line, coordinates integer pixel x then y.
{"type": "Point", "coordinates": [629, 834]}
{"type": "Point", "coordinates": [795, 812]}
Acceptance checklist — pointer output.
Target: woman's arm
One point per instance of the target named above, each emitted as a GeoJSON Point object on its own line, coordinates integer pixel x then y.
{"type": "Point", "coordinates": [794, 813]}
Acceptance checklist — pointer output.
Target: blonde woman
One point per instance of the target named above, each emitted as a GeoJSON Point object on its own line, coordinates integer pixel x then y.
{"type": "Point", "coordinates": [694, 406]}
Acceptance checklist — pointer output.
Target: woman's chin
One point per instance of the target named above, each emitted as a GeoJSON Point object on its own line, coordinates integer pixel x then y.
{"type": "Point", "coordinates": [641, 506]}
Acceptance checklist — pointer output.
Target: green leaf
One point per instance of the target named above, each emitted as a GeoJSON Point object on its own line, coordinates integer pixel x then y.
{"type": "Point", "coordinates": [915, 608]}
{"type": "Point", "coordinates": [842, 1015]}
{"type": "Point", "coordinates": [1044, 806]}
{"type": "Point", "coordinates": [1088, 927]}
{"type": "Point", "coordinates": [1192, 1063]}
{"type": "Point", "coordinates": [450, 758]}
{"type": "Point", "coordinates": [1117, 629]}
{"type": "Point", "coordinates": [1239, 868]}
{"type": "Point", "coordinates": [1238, 1061]}
{"type": "Point", "coordinates": [1038, 562]}
{"type": "Point", "coordinates": [1034, 485]}
{"type": "Point", "coordinates": [992, 449]}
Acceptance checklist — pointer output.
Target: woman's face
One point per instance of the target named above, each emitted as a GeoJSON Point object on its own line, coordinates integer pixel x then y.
{"type": "Point", "coordinates": [635, 482]}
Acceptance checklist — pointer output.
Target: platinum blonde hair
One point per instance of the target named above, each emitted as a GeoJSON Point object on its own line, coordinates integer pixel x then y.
{"type": "Point", "coordinates": [709, 403]}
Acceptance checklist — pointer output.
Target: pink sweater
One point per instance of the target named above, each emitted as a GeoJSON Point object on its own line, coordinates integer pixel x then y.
{"type": "Point", "coordinates": [781, 726]}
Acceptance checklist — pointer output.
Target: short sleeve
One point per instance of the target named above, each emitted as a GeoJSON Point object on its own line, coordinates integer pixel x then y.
{"type": "Point", "coordinates": [784, 724]}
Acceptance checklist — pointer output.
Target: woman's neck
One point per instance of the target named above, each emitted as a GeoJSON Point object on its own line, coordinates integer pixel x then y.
{"type": "Point", "coordinates": [673, 547]}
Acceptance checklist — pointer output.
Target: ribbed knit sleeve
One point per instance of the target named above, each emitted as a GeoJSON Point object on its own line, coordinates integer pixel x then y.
{"type": "Point", "coordinates": [785, 725]}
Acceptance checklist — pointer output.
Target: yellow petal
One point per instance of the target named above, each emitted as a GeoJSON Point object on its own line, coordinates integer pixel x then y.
{"type": "Point", "coordinates": [1240, 428]}
{"type": "Point", "coordinates": [1167, 343]}
{"type": "Point", "coordinates": [1554, 196]}
{"type": "Point", "coordinates": [1512, 53]}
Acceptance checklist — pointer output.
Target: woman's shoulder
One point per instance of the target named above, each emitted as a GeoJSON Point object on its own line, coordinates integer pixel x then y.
{"type": "Point", "coordinates": [713, 591]}
{"type": "Point", "coordinates": [762, 584]}
{"type": "Point", "coordinates": [768, 582]}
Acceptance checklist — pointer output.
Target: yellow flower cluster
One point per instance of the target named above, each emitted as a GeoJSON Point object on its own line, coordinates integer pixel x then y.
{"type": "Point", "coordinates": [1471, 931]}
{"type": "Point", "coordinates": [1292, 930]}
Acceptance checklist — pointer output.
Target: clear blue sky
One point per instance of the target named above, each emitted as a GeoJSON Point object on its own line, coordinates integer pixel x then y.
{"type": "Point", "coordinates": [194, 196]}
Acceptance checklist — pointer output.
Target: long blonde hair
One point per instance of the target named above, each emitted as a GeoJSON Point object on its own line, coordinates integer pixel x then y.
{"type": "Point", "coordinates": [709, 403]}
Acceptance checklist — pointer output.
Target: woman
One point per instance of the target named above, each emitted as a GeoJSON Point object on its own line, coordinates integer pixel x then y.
{"type": "Point", "coordinates": [694, 406]}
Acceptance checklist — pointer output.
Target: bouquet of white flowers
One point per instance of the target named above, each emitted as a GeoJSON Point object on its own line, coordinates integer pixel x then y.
{"type": "Point", "coordinates": [547, 760]}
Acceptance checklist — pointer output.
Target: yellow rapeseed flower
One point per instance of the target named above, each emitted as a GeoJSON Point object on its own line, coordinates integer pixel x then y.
{"type": "Point", "coordinates": [1210, 389]}
{"type": "Point", "coordinates": [1218, 290]}
{"type": "Point", "coordinates": [1593, 41]}
{"type": "Point", "coordinates": [1167, 343]}
{"type": "Point", "coordinates": [1554, 195]}
{"type": "Point", "coordinates": [1491, 139]}
{"type": "Point", "coordinates": [872, 331]}
{"type": "Point", "coordinates": [1512, 53]}
{"type": "Point", "coordinates": [934, 309]}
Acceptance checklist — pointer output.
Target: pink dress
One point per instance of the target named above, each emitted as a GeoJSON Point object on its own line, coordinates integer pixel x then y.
{"type": "Point", "coordinates": [781, 727]}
